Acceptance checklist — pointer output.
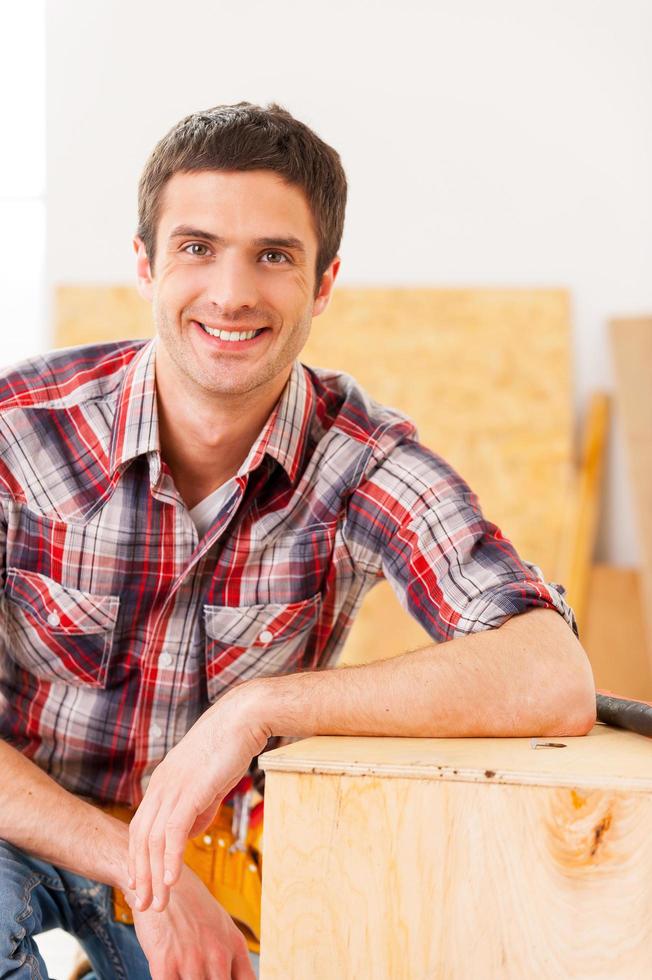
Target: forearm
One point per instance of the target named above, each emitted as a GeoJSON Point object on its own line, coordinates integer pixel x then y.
{"type": "Point", "coordinates": [530, 677]}
{"type": "Point", "coordinates": [39, 816]}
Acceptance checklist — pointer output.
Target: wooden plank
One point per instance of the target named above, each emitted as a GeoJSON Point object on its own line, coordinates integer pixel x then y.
{"type": "Point", "coordinates": [631, 341]}
{"type": "Point", "coordinates": [613, 633]}
{"type": "Point", "coordinates": [585, 506]}
{"type": "Point", "coordinates": [607, 758]}
{"type": "Point", "coordinates": [398, 879]}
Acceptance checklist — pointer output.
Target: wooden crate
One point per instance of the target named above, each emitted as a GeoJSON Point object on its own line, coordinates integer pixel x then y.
{"type": "Point", "coordinates": [450, 859]}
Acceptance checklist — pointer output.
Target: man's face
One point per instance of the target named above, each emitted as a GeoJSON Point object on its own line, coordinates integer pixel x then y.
{"type": "Point", "coordinates": [233, 285]}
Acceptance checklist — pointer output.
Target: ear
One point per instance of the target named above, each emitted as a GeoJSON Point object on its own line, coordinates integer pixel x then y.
{"type": "Point", "coordinates": [143, 270]}
{"type": "Point", "coordinates": [326, 287]}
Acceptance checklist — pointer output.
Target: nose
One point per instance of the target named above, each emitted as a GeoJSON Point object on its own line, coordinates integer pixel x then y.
{"type": "Point", "coordinates": [232, 287]}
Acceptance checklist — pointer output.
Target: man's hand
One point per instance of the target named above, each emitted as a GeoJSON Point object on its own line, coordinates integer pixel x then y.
{"type": "Point", "coordinates": [194, 939]}
{"type": "Point", "coordinates": [185, 792]}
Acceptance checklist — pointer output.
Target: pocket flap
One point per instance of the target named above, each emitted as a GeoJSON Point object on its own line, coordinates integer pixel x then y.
{"type": "Point", "coordinates": [60, 609]}
{"type": "Point", "coordinates": [262, 625]}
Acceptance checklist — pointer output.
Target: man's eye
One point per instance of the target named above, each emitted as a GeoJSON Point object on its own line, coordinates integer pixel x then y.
{"type": "Point", "coordinates": [196, 248]}
{"type": "Point", "coordinates": [275, 258]}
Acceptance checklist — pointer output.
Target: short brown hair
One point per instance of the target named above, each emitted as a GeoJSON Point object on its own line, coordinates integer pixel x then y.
{"type": "Point", "coordinates": [249, 137]}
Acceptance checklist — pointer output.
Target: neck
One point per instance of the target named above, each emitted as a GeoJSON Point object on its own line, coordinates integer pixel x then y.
{"type": "Point", "coordinates": [205, 437]}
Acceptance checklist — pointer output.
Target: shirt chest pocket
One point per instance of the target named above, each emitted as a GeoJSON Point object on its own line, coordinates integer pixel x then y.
{"type": "Point", "coordinates": [58, 633]}
{"type": "Point", "coordinates": [257, 641]}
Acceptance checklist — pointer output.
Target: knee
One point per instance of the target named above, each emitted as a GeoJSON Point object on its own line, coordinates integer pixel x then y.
{"type": "Point", "coordinates": [17, 880]}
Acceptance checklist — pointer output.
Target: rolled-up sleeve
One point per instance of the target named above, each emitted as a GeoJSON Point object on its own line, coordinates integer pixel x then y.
{"type": "Point", "coordinates": [416, 522]}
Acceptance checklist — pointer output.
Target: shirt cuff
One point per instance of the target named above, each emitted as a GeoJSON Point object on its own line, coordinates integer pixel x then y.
{"type": "Point", "coordinates": [495, 606]}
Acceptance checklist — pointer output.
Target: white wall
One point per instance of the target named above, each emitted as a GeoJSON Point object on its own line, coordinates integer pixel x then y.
{"type": "Point", "coordinates": [503, 142]}
{"type": "Point", "coordinates": [22, 180]}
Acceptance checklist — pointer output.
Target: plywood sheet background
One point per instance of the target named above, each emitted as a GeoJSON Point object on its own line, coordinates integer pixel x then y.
{"type": "Point", "coordinates": [485, 374]}
{"type": "Point", "coordinates": [93, 314]}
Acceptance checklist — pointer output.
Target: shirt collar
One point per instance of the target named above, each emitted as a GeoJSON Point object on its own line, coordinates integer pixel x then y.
{"type": "Point", "coordinates": [135, 426]}
{"type": "Point", "coordinates": [285, 433]}
{"type": "Point", "coordinates": [136, 431]}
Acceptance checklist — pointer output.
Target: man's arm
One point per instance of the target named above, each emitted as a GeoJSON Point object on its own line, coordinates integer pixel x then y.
{"type": "Point", "coordinates": [39, 816]}
{"type": "Point", "coordinates": [528, 677]}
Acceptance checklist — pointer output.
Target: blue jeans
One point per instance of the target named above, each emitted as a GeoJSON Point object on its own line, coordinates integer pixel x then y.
{"type": "Point", "coordinates": [36, 896]}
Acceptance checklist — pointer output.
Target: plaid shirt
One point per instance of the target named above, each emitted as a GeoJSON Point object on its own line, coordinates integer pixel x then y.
{"type": "Point", "coordinates": [120, 625]}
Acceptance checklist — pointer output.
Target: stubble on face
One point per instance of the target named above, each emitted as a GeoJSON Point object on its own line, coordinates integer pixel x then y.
{"type": "Point", "coordinates": [225, 375]}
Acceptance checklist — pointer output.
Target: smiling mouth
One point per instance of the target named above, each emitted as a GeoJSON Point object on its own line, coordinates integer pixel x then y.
{"type": "Point", "coordinates": [230, 335]}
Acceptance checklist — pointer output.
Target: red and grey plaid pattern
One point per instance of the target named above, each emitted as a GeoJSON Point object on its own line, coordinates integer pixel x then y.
{"type": "Point", "coordinates": [120, 625]}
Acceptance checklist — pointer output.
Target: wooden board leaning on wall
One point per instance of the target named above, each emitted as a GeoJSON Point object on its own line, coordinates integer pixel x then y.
{"type": "Point", "coordinates": [631, 343]}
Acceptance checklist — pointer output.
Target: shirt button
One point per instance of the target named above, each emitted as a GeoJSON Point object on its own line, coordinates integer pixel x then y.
{"type": "Point", "coordinates": [54, 619]}
{"type": "Point", "coordinates": [165, 659]}
{"type": "Point", "coordinates": [266, 636]}
{"type": "Point", "coordinates": [155, 731]}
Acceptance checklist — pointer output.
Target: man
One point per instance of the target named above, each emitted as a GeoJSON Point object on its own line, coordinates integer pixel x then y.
{"type": "Point", "coordinates": [190, 526]}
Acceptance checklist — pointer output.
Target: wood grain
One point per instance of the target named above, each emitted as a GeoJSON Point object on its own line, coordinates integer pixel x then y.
{"type": "Point", "coordinates": [425, 877]}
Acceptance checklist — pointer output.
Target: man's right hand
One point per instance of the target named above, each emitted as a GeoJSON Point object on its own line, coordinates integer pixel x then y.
{"type": "Point", "coordinates": [194, 938]}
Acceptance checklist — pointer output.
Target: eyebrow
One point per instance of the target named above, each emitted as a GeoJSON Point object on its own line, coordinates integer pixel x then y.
{"type": "Point", "coordinates": [292, 243]}
{"type": "Point", "coordinates": [188, 231]}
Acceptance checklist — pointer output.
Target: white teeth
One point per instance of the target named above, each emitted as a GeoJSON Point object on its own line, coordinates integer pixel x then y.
{"type": "Point", "coordinates": [230, 334]}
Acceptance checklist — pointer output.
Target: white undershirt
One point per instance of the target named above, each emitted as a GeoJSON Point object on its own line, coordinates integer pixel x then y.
{"type": "Point", "coordinates": [204, 513]}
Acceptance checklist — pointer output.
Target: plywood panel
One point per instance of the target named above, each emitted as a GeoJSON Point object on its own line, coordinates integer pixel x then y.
{"type": "Point", "coordinates": [584, 506]}
{"type": "Point", "coordinates": [632, 352]}
{"type": "Point", "coordinates": [485, 374]}
{"type": "Point", "coordinates": [398, 878]}
{"type": "Point", "coordinates": [97, 314]}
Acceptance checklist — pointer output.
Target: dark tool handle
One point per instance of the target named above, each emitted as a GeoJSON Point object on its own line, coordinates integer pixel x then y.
{"type": "Point", "coordinates": [636, 716]}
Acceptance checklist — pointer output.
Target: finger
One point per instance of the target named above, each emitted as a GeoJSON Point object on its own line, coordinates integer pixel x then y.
{"type": "Point", "coordinates": [175, 846]}
{"type": "Point", "coordinates": [177, 831]}
{"type": "Point", "coordinates": [131, 856]}
{"type": "Point", "coordinates": [205, 818]}
{"type": "Point", "coordinates": [136, 832]}
{"type": "Point", "coordinates": [156, 845]}
{"type": "Point", "coordinates": [141, 861]}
